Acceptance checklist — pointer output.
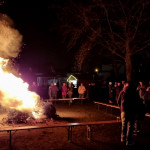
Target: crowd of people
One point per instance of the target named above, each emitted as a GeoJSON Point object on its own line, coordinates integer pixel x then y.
{"type": "Point", "coordinates": [142, 88]}
{"type": "Point", "coordinates": [113, 89]}
{"type": "Point", "coordinates": [67, 91]}
{"type": "Point", "coordinates": [133, 99]}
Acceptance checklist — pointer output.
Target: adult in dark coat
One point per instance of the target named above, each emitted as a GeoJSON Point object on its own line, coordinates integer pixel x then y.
{"type": "Point", "coordinates": [118, 89]}
{"type": "Point", "coordinates": [147, 99]}
{"type": "Point", "coordinates": [54, 91]}
{"type": "Point", "coordinates": [34, 87]}
{"type": "Point", "coordinates": [127, 100]}
{"type": "Point", "coordinates": [141, 89]}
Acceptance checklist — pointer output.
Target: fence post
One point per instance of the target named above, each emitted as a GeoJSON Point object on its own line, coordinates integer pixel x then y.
{"type": "Point", "coordinates": [10, 145]}
{"type": "Point", "coordinates": [70, 133]}
{"type": "Point", "coordinates": [89, 132]}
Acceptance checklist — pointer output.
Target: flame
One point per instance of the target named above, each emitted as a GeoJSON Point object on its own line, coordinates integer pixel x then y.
{"type": "Point", "coordinates": [14, 92]}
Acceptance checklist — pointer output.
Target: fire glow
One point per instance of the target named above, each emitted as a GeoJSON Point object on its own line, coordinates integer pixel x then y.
{"type": "Point", "coordinates": [14, 92]}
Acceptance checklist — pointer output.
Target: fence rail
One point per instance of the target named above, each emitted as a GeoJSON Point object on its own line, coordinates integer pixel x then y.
{"type": "Point", "coordinates": [68, 125]}
{"type": "Point", "coordinates": [113, 106]}
{"type": "Point", "coordinates": [70, 100]}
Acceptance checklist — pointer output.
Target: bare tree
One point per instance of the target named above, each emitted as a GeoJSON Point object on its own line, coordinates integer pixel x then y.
{"type": "Point", "coordinates": [122, 27]}
{"type": "Point", "coordinates": [2, 2]}
{"type": "Point", "coordinates": [127, 32]}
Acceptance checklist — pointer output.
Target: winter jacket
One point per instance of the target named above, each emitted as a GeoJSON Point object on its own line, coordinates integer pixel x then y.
{"type": "Point", "coordinates": [64, 90]}
{"type": "Point", "coordinates": [81, 89]}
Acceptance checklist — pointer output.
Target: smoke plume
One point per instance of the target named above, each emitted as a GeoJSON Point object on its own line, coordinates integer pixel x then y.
{"type": "Point", "coordinates": [10, 38]}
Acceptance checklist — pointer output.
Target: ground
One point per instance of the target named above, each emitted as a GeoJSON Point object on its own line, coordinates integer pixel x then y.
{"type": "Point", "coordinates": [104, 137]}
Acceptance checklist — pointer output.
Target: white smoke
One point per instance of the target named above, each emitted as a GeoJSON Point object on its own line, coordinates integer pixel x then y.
{"type": "Point", "coordinates": [10, 38]}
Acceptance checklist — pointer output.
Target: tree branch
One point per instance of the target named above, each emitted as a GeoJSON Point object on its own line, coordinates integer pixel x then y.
{"type": "Point", "coordinates": [141, 49]}
{"type": "Point", "coordinates": [138, 21]}
{"type": "Point", "coordinates": [122, 8]}
{"type": "Point", "coordinates": [106, 45]}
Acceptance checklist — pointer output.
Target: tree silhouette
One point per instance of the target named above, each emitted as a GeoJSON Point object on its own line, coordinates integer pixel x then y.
{"type": "Point", "coordinates": [118, 26]}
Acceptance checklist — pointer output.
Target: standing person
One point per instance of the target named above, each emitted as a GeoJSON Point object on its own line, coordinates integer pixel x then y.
{"type": "Point", "coordinates": [81, 90]}
{"type": "Point", "coordinates": [141, 89]}
{"type": "Point", "coordinates": [73, 86]}
{"type": "Point", "coordinates": [147, 98]}
{"type": "Point", "coordinates": [34, 87]}
{"type": "Point", "coordinates": [139, 115]}
{"type": "Point", "coordinates": [70, 90]}
{"type": "Point", "coordinates": [110, 92]}
{"type": "Point", "coordinates": [122, 83]}
{"type": "Point", "coordinates": [127, 102]}
{"type": "Point", "coordinates": [64, 90]}
{"type": "Point", "coordinates": [118, 90]}
{"type": "Point", "coordinates": [50, 90]}
{"type": "Point", "coordinates": [54, 91]}
{"type": "Point", "coordinates": [115, 92]}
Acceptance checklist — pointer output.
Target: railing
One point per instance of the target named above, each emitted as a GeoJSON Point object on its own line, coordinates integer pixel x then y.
{"type": "Point", "coordinates": [107, 105]}
{"type": "Point", "coordinates": [113, 106]}
{"type": "Point", "coordinates": [69, 125]}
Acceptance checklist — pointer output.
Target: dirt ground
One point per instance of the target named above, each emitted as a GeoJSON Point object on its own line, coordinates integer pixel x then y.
{"type": "Point", "coordinates": [104, 137]}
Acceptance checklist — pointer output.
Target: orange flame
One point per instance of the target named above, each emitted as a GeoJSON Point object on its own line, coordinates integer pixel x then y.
{"type": "Point", "coordinates": [14, 92]}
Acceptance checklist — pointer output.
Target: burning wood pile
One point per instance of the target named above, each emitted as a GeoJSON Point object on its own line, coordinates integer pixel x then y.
{"type": "Point", "coordinates": [15, 116]}
{"type": "Point", "coordinates": [46, 114]}
{"type": "Point", "coordinates": [22, 104]}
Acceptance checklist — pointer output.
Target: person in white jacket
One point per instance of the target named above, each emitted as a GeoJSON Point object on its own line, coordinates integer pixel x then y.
{"type": "Point", "coordinates": [81, 90]}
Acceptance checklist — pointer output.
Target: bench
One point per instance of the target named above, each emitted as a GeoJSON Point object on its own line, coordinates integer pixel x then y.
{"type": "Point", "coordinates": [70, 100]}
{"type": "Point", "coordinates": [68, 125]}
{"type": "Point", "coordinates": [60, 99]}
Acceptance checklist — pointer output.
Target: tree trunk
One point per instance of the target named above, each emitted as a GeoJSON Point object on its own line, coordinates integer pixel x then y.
{"type": "Point", "coordinates": [128, 62]}
{"type": "Point", "coordinates": [116, 73]}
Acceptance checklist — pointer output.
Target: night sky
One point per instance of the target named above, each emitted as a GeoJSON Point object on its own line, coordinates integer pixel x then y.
{"type": "Point", "coordinates": [43, 49]}
{"type": "Point", "coordinates": [41, 46]}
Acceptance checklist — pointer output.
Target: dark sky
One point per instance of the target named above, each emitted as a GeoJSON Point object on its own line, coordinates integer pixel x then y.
{"type": "Point", "coordinates": [42, 47]}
